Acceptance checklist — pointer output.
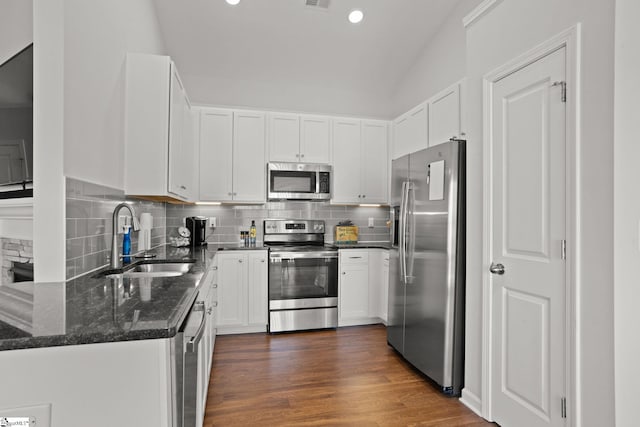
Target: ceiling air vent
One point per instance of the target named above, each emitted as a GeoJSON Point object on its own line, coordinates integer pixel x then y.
{"type": "Point", "coordinates": [318, 4]}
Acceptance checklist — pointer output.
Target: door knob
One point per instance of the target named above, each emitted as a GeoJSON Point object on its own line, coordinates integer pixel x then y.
{"type": "Point", "coordinates": [496, 269]}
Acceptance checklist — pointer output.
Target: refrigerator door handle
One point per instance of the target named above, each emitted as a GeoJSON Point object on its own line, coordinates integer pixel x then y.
{"type": "Point", "coordinates": [411, 240]}
{"type": "Point", "coordinates": [403, 230]}
{"type": "Point", "coordinates": [401, 234]}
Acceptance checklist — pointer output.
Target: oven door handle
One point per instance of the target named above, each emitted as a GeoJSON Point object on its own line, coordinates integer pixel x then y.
{"type": "Point", "coordinates": [302, 255]}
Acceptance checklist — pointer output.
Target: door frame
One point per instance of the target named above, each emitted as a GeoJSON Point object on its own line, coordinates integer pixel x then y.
{"type": "Point", "coordinates": [569, 39]}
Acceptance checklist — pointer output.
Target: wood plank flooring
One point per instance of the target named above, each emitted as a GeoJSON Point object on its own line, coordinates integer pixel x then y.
{"type": "Point", "coordinates": [348, 377]}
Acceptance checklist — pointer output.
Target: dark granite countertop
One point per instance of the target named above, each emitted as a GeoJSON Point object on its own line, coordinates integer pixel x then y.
{"type": "Point", "coordinates": [96, 310]}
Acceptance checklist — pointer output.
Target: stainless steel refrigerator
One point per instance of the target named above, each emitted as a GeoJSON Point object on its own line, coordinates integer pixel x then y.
{"type": "Point", "coordinates": [427, 262]}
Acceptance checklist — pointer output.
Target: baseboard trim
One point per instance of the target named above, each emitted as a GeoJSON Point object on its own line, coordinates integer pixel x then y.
{"type": "Point", "coordinates": [471, 401]}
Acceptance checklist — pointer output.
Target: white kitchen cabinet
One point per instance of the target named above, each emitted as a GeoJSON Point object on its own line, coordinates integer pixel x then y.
{"type": "Point", "coordinates": [363, 286]}
{"type": "Point", "coordinates": [242, 291]}
{"type": "Point", "coordinates": [298, 138]}
{"type": "Point", "coordinates": [232, 289]}
{"type": "Point", "coordinates": [360, 161]}
{"type": "Point", "coordinates": [284, 137]}
{"type": "Point", "coordinates": [158, 130]}
{"type": "Point", "coordinates": [258, 288]}
{"type": "Point", "coordinates": [411, 131]}
{"type": "Point", "coordinates": [216, 155]}
{"type": "Point", "coordinates": [445, 116]}
{"type": "Point", "coordinates": [358, 292]}
{"type": "Point", "coordinates": [374, 163]}
{"type": "Point", "coordinates": [315, 139]}
{"type": "Point", "coordinates": [379, 283]}
{"type": "Point", "coordinates": [232, 156]}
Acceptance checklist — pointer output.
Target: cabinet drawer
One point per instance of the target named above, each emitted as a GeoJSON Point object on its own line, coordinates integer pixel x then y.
{"type": "Point", "coordinates": [352, 256]}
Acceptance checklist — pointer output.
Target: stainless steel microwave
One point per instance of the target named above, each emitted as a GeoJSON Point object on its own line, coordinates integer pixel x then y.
{"type": "Point", "coordinates": [298, 181]}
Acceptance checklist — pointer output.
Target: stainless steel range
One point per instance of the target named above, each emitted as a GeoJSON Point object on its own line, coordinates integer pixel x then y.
{"type": "Point", "coordinates": [303, 276]}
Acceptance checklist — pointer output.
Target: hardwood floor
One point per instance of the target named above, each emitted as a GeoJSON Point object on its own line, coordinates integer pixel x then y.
{"type": "Point", "coordinates": [348, 377]}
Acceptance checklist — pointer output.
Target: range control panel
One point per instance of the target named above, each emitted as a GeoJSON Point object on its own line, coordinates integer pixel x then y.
{"type": "Point", "coordinates": [293, 226]}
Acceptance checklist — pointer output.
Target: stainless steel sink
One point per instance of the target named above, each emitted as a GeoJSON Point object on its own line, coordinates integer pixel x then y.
{"type": "Point", "coordinates": [155, 269]}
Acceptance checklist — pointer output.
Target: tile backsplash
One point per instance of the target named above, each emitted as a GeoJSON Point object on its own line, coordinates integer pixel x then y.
{"type": "Point", "coordinates": [89, 208]}
{"type": "Point", "coordinates": [233, 219]}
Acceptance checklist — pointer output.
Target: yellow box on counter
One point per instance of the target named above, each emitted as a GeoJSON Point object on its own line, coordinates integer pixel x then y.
{"type": "Point", "coordinates": [346, 234]}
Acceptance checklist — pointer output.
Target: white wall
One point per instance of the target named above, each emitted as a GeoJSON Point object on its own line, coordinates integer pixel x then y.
{"type": "Point", "coordinates": [441, 63]}
{"type": "Point", "coordinates": [98, 34]}
{"type": "Point", "coordinates": [510, 29]}
{"type": "Point", "coordinates": [16, 27]}
{"type": "Point", "coordinates": [627, 212]}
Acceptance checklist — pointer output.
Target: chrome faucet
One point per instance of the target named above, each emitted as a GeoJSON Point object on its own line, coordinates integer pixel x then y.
{"type": "Point", "coordinates": [115, 257]}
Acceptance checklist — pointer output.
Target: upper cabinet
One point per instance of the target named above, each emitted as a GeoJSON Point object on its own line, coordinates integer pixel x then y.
{"type": "Point", "coordinates": [431, 123]}
{"type": "Point", "coordinates": [411, 131]}
{"type": "Point", "coordinates": [445, 116]}
{"type": "Point", "coordinates": [360, 161]}
{"type": "Point", "coordinates": [232, 156]}
{"type": "Point", "coordinates": [299, 138]}
{"type": "Point", "coordinates": [159, 137]}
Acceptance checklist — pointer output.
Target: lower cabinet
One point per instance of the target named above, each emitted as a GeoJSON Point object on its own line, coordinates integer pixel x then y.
{"type": "Point", "coordinates": [241, 291]}
{"type": "Point", "coordinates": [362, 293]}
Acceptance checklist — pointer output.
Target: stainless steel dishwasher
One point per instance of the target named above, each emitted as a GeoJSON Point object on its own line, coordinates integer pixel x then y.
{"type": "Point", "coordinates": [185, 353]}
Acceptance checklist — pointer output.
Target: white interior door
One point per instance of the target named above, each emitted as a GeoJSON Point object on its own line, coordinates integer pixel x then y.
{"type": "Point", "coordinates": [528, 202]}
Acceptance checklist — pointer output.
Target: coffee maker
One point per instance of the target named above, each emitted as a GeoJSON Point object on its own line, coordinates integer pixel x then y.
{"type": "Point", "coordinates": [197, 225]}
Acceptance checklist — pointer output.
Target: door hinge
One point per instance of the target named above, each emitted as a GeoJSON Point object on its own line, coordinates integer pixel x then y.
{"type": "Point", "coordinates": [564, 249]}
{"type": "Point", "coordinates": [563, 407]}
{"type": "Point", "coordinates": [563, 93]}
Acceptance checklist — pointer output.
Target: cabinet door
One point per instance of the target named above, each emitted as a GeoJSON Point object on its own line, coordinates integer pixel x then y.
{"type": "Point", "coordinates": [216, 155]}
{"type": "Point", "coordinates": [346, 161]}
{"type": "Point", "coordinates": [444, 116]}
{"type": "Point", "coordinates": [374, 162]}
{"type": "Point", "coordinates": [249, 165]}
{"type": "Point", "coordinates": [411, 131]}
{"type": "Point", "coordinates": [353, 292]}
{"type": "Point", "coordinates": [315, 146]}
{"type": "Point", "coordinates": [176, 136]}
{"type": "Point", "coordinates": [232, 290]}
{"type": "Point", "coordinates": [258, 288]}
{"type": "Point", "coordinates": [284, 138]}
{"type": "Point", "coordinates": [384, 290]}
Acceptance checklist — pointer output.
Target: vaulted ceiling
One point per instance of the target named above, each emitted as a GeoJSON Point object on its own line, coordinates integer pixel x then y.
{"type": "Point", "coordinates": [284, 55]}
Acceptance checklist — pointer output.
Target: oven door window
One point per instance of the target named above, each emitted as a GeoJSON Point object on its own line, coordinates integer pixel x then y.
{"type": "Point", "coordinates": [303, 278]}
{"type": "Point", "coordinates": [293, 182]}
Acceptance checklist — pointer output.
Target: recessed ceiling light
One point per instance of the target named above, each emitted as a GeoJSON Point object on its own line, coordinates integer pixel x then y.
{"type": "Point", "coordinates": [355, 16]}
{"type": "Point", "coordinates": [232, 2]}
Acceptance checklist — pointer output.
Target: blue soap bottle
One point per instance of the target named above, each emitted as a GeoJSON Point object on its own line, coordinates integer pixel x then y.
{"type": "Point", "coordinates": [126, 244]}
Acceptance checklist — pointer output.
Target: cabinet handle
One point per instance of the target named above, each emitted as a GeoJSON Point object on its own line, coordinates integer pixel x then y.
{"type": "Point", "coordinates": [235, 194]}
{"type": "Point", "coordinates": [261, 260]}
{"type": "Point", "coordinates": [215, 267]}
{"type": "Point", "coordinates": [364, 196]}
{"type": "Point", "coordinates": [359, 196]}
{"type": "Point", "coordinates": [239, 260]}
{"type": "Point", "coordinates": [209, 310]}
{"type": "Point", "coordinates": [229, 194]}
{"type": "Point", "coordinates": [355, 257]}
{"type": "Point", "coordinates": [344, 272]}
{"type": "Point", "coordinates": [214, 304]}
{"type": "Point", "coordinates": [302, 155]}
{"type": "Point", "coordinates": [215, 285]}
{"type": "Point", "coordinates": [183, 187]}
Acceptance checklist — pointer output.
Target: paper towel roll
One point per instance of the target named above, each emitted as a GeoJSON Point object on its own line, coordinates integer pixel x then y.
{"type": "Point", "coordinates": [144, 237]}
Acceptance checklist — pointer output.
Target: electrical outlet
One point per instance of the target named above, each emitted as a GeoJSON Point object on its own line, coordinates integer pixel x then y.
{"type": "Point", "coordinates": [370, 222]}
{"type": "Point", "coordinates": [213, 222]}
